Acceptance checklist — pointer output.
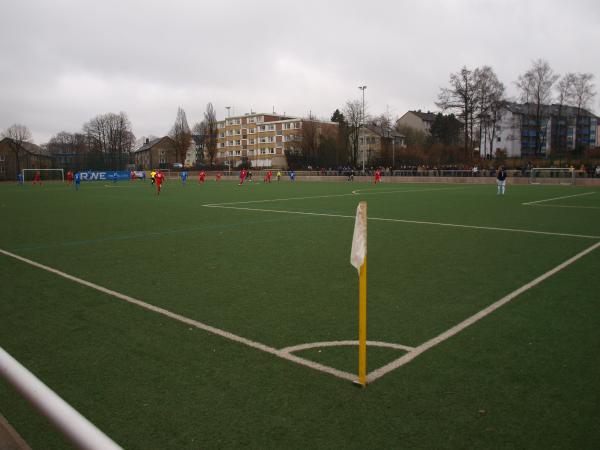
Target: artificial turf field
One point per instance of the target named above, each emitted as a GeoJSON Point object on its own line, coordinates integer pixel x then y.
{"type": "Point", "coordinates": [270, 264]}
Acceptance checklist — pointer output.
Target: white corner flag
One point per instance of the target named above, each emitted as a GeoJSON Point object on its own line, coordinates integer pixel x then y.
{"type": "Point", "coordinates": [359, 240]}
{"type": "Point", "coordinates": [358, 258]}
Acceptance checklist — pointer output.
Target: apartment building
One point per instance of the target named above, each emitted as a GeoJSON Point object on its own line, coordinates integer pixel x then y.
{"type": "Point", "coordinates": [418, 120]}
{"type": "Point", "coordinates": [379, 143]}
{"type": "Point", "coordinates": [562, 129]}
{"type": "Point", "coordinates": [259, 140]}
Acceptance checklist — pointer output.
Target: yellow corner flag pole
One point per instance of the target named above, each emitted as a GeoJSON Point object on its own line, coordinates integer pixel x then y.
{"type": "Point", "coordinates": [362, 325]}
{"type": "Point", "coordinates": [358, 258]}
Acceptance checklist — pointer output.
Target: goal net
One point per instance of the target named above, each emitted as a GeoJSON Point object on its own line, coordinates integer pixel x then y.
{"type": "Point", "coordinates": [552, 175]}
{"type": "Point", "coordinates": [45, 174]}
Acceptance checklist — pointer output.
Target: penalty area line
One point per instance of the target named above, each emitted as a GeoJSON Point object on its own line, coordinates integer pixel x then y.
{"type": "Point", "coordinates": [556, 198]}
{"type": "Point", "coordinates": [191, 322]}
{"type": "Point", "coordinates": [355, 192]}
{"type": "Point", "coordinates": [378, 373]}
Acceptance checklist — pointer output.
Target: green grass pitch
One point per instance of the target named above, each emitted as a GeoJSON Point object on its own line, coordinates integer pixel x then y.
{"type": "Point", "coordinates": [270, 264]}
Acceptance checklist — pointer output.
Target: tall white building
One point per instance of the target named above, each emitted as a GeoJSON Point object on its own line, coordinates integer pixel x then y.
{"type": "Point", "coordinates": [561, 129]}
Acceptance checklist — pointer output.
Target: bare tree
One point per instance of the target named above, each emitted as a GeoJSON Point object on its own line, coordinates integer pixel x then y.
{"type": "Point", "coordinates": [583, 94]}
{"type": "Point", "coordinates": [353, 114]}
{"type": "Point", "coordinates": [181, 135]}
{"type": "Point", "coordinates": [461, 97]}
{"type": "Point", "coordinates": [109, 140]}
{"type": "Point", "coordinates": [490, 96]}
{"type": "Point", "coordinates": [18, 135]}
{"type": "Point", "coordinates": [535, 87]}
{"type": "Point", "coordinates": [564, 97]}
{"type": "Point", "coordinates": [210, 132]}
{"type": "Point", "coordinates": [309, 144]}
{"type": "Point", "coordinates": [69, 149]}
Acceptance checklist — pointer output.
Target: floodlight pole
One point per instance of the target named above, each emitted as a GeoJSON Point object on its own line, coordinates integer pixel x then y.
{"type": "Point", "coordinates": [362, 88]}
{"type": "Point", "coordinates": [228, 108]}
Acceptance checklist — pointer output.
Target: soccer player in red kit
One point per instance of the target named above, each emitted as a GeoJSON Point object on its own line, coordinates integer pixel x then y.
{"type": "Point", "coordinates": [218, 176]}
{"type": "Point", "coordinates": [37, 178]}
{"type": "Point", "coordinates": [377, 176]}
{"type": "Point", "coordinates": [69, 177]}
{"type": "Point", "coordinates": [268, 176]}
{"type": "Point", "coordinates": [201, 176]}
{"type": "Point", "coordinates": [243, 175]}
{"type": "Point", "coordinates": [158, 180]}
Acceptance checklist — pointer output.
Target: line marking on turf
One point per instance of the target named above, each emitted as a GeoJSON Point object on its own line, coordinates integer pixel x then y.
{"type": "Point", "coordinates": [194, 323]}
{"type": "Point", "coordinates": [418, 222]}
{"type": "Point", "coordinates": [566, 206]}
{"type": "Point", "coordinates": [301, 347]}
{"type": "Point", "coordinates": [378, 373]}
{"type": "Point", "coordinates": [330, 196]}
{"type": "Point", "coordinates": [286, 354]}
{"type": "Point", "coordinates": [556, 198]}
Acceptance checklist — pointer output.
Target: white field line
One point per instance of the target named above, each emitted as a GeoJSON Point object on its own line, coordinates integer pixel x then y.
{"type": "Point", "coordinates": [301, 347]}
{"type": "Point", "coordinates": [566, 206]}
{"type": "Point", "coordinates": [556, 198]}
{"type": "Point", "coordinates": [330, 196]}
{"type": "Point", "coordinates": [378, 373]}
{"type": "Point", "coordinates": [194, 323]}
{"type": "Point", "coordinates": [419, 222]}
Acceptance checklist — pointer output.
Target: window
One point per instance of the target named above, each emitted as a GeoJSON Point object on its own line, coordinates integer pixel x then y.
{"type": "Point", "coordinates": [498, 139]}
{"type": "Point", "coordinates": [251, 130]}
{"type": "Point", "coordinates": [262, 128]}
{"type": "Point", "coordinates": [238, 142]}
{"type": "Point", "coordinates": [251, 141]}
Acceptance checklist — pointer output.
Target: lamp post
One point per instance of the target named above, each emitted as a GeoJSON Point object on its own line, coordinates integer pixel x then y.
{"type": "Point", "coordinates": [393, 152]}
{"type": "Point", "coordinates": [228, 108]}
{"type": "Point", "coordinates": [362, 123]}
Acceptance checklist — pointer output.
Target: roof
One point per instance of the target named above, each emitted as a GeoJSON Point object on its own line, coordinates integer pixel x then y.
{"type": "Point", "coordinates": [150, 144]}
{"type": "Point", "coordinates": [386, 132]}
{"type": "Point", "coordinates": [547, 110]}
{"type": "Point", "coordinates": [30, 147]}
{"type": "Point", "coordinates": [425, 116]}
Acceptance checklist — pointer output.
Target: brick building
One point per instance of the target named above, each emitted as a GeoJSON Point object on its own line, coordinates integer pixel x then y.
{"type": "Point", "coordinates": [156, 154]}
{"type": "Point", "coordinates": [30, 156]}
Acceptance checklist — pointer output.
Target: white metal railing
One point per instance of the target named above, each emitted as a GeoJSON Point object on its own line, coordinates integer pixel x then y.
{"type": "Point", "coordinates": [80, 431]}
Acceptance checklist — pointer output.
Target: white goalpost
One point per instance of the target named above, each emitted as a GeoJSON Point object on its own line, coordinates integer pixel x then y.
{"type": "Point", "coordinates": [552, 175]}
{"type": "Point", "coordinates": [45, 174]}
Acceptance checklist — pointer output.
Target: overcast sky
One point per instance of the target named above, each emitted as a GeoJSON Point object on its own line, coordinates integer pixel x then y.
{"type": "Point", "coordinates": [63, 62]}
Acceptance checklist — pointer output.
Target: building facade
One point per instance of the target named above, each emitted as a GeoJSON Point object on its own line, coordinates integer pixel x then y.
{"type": "Point", "coordinates": [30, 156]}
{"type": "Point", "coordinates": [155, 154]}
{"type": "Point", "coordinates": [561, 130]}
{"type": "Point", "coordinates": [379, 144]}
{"type": "Point", "coordinates": [418, 120]}
{"type": "Point", "coordinates": [260, 140]}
